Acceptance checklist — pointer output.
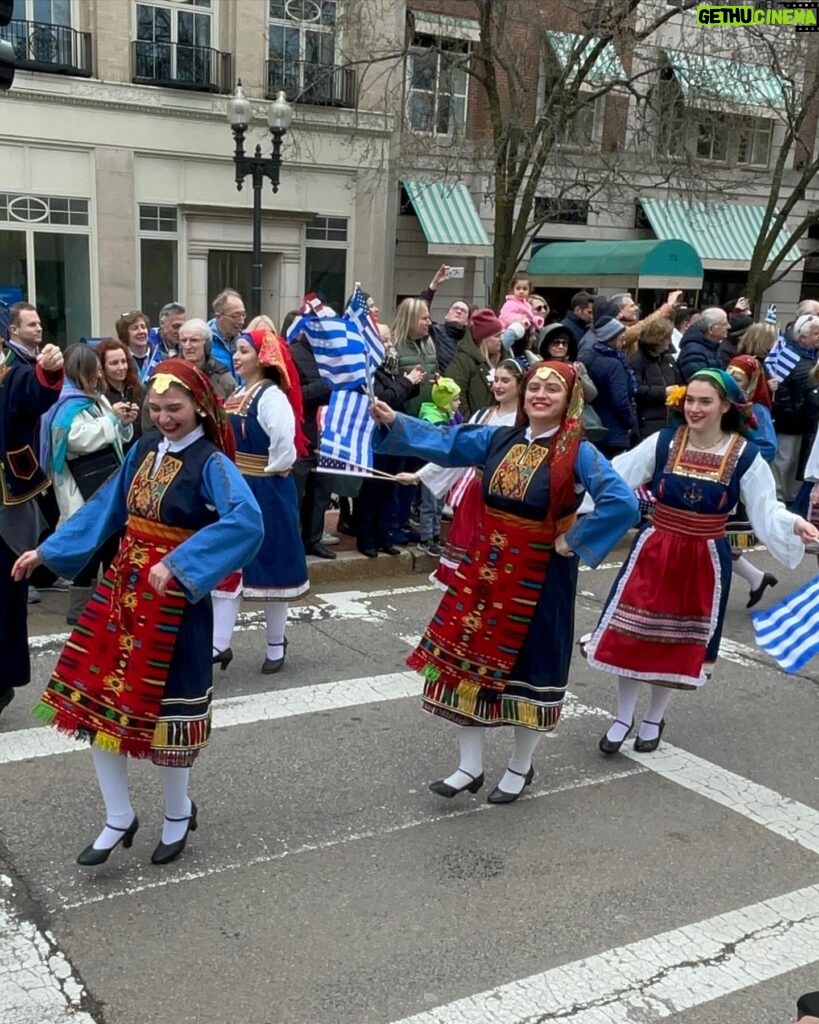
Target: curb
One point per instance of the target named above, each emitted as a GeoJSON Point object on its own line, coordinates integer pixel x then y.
{"type": "Point", "coordinates": [351, 565]}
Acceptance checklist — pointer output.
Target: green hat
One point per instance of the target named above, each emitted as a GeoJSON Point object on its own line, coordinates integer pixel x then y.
{"type": "Point", "coordinates": [444, 391]}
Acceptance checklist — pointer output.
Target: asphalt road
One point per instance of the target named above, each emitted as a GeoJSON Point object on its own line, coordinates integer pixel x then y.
{"type": "Point", "coordinates": [326, 885]}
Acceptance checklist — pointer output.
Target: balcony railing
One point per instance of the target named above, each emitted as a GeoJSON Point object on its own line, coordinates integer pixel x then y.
{"type": "Point", "coordinates": [175, 66]}
{"type": "Point", "coordinates": [323, 85]}
{"type": "Point", "coordinates": [41, 46]}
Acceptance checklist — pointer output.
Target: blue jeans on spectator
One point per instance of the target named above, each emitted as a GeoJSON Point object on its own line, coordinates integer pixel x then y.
{"type": "Point", "coordinates": [431, 509]}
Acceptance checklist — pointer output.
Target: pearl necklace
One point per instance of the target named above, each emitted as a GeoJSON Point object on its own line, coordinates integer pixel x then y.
{"type": "Point", "coordinates": [706, 447]}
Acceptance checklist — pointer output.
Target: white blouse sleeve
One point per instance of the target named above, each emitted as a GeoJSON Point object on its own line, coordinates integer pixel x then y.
{"type": "Point", "coordinates": [637, 466]}
{"type": "Point", "coordinates": [278, 422]}
{"type": "Point", "coordinates": [439, 480]}
{"type": "Point", "coordinates": [772, 522]}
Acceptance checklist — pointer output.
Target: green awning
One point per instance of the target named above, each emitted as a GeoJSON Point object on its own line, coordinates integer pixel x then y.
{"type": "Point", "coordinates": [448, 219]}
{"type": "Point", "coordinates": [723, 234]}
{"type": "Point", "coordinates": [618, 264]}
{"type": "Point", "coordinates": [445, 27]}
{"type": "Point", "coordinates": [607, 67]}
{"type": "Point", "coordinates": [710, 79]}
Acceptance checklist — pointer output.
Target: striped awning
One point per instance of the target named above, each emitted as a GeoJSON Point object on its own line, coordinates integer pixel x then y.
{"type": "Point", "coordinates": [706, 79]}
{"type": "Point", "coordinates": [724, 234]}
{"type": "Point", "coordinates": [443, 26]}
{"type": "Point", "coordinates": [448, 218]}
{"type": "Point", "coordinates": [567, 48]}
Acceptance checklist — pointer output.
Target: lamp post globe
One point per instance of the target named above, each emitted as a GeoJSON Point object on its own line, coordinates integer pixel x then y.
{"type": "Point", "coordinates": [280, 113]}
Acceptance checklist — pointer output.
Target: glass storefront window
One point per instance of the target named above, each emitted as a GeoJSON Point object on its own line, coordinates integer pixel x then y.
{"type": "Point", "coordinates": [13, 271]}
{"type": "Point", "coordinates": [63, 282]}
{"type": "Point", "coordinates": [157, 274]}
{"type": "Point", "coordinates": [326, 273]}
{"type": "Point", "coordinates": [52, 270]}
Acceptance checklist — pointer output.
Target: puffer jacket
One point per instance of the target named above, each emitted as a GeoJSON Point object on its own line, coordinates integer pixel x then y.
{"type": "Point", "coordinates": [473, 374]}
{"type": "Point", "coordinates": [655, 371]}
{"type": "Point", "coordinates": [697, 353]}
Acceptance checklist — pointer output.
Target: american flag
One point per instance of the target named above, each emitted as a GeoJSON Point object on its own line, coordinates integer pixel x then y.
{"type": "Point", "coordinates": [358, 314]}
{"type": "Point", "coordinates": [345, 444]}
{"type": "Point", "coordinates": [781, 359]}
{"type": "Point", "coordinates": [789, 631]}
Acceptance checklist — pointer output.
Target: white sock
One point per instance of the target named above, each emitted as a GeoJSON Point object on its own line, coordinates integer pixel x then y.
{"type": "Point", "coordinates": [658, 702]}
{"type": "Point", "coordinates": [112, 776]}
{"type": "Point", "coordinates": [514, 778]}
{"type": "Point", "coordinates": [225, 613]}
{"type": "Point", "coordinates": [748, 572]}
{"type": "Point", "coordinates": [275, 613]}
{"type": "Point", "coordinates": [628, 692]}
{"type": "Point", "coordinates": [471, 739]}
{"type": "Point", "coordinates": [177, 802]}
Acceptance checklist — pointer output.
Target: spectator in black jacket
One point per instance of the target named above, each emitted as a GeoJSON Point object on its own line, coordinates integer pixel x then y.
{"type": "Point", "coordinates": [446, 335]}
{"type": "Point", "coordinates": [579, 316]}
{"type": "Point", "coordinates": [699, 348]}
{"type": "Point", "coordinates": [656, 371]}
{"type": "Point", "coordinates": [616, 385]}
{"type": "Point", "coordinates": [796, 410]}
{"type": "Point", "coordinates": [376, 507]}
{"type": "Point", "coordinates": [314, 489]}
{"type": "Point", "coordinates": [737, 326]}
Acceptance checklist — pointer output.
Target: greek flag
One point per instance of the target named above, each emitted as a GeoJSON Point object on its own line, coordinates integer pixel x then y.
{"type": "Point", "coordinates": [781, 359]}
{"type": "Point", "coordinates": [789, 631]}
{"type": "Point", "coordinates": [345, 444]}
{"type": "Point", "coordinates": [358, 314]}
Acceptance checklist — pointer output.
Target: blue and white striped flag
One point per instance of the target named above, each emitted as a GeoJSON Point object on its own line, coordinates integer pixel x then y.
{"type": "Point", "coordinates": [346, 445]}
{"type": "Point", "coordinates": [341, 355]}
{"type": "Point", "coordinates": [358, 313]}
{"type": "Point", "coordinates": [781, 359]}
{"type": "Point", "coordinates": [789, 631]}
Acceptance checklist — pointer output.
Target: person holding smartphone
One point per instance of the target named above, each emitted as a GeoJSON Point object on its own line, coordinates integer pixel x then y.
{"type": "Point", "coordinates": [120, 381]}
{"type": "Point", "coordinates": [447, 335]}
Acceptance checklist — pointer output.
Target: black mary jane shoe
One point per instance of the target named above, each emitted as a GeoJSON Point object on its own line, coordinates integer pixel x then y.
{"type": "Point", "coordinates": [90, 857]}
{"type": "Point", "coordinates": [223, 658]}
{"type": "Point", "coordinates": [768, 580]}
{"type": "Point", "coordinates": [442, 788]}
{"type": "Point", "coordinates": [647, 746]}
{"type": "Point", "coordinates": [500, 796]}
{"type": "Point", "coordinates": [273, 665]}
{"type": "Point", "coordinates": [607, 746]}
{"type": "Point", "coordinates": [166, 852]}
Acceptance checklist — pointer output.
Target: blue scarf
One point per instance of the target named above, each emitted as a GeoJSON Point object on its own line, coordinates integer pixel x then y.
{"type": "Point", "coordinates": [607, 350]}
{"type": "Point", "coordinates": [56, 424]}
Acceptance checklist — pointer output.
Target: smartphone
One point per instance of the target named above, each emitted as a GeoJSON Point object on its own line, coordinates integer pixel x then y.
{"type": "Point", "coordinates": [454, 272]}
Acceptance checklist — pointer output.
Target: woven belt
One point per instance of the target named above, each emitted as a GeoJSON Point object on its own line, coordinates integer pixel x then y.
{"type": "Point", "coordinates": [251, 465]}
{"type": "Point", "coordinates": [151, 530]}
{"type": "Point", "coordinates": [688, 524]}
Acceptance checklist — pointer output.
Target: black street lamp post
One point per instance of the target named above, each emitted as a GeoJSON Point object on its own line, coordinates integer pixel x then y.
{"type": "Point", "coordinates": [239, 114]}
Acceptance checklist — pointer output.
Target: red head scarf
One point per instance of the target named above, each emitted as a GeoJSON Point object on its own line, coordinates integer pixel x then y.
{"type": "Point", "coordinates": [208, 404]}
{"type": "Point", "coordinates": [569, 435]}
{"type": "Point", "coordinates": [757, 390]}
{"type": "Point", "coordinates": [274, 355]}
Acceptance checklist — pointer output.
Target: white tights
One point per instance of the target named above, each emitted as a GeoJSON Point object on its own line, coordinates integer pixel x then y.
{"type": "Point", "coordinates": [225, 613]}
{"type": "Point", "coordinates": [471, 741]}
{"type": "Point", "coordinates": [112, 776]}
{"type": "Point", "coordinates": [628, 692]}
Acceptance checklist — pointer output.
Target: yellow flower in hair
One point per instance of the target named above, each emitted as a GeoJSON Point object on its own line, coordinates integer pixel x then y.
{"type": "Point", "coordinates": [676, 396]}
